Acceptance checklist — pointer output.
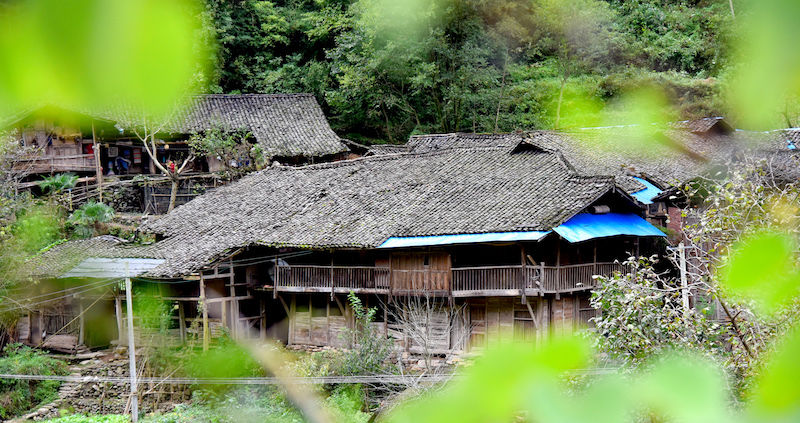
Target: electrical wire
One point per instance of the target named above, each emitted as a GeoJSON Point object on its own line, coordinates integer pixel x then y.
{"type": "Point", "coordinates": [29, 305]}
{"type": "Point", "coordinates": [311, 380]}
{"type": "Point", "coordinates": [67, 289]}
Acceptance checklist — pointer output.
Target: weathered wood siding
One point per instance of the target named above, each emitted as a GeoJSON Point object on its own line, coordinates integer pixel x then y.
{"type": "Point", "coordinates": [564, 315]}
{"type": "Point", "coordinates": [499, 319]}
{"type": "Point", "coordinates": [420, 271]}
{"type": "Point", "coordinates": [315, 320]}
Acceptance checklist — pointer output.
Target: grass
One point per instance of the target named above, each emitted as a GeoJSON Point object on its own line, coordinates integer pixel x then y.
{"type": "Point", "coordinates": [19, 396]}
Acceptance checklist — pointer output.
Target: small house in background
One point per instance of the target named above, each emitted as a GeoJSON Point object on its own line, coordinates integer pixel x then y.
{"type": "Point", "coordinates": [290, 128]}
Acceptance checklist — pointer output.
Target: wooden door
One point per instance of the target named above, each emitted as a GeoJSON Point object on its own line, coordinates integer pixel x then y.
{"type": "Point", "coordinates": [421, 272]}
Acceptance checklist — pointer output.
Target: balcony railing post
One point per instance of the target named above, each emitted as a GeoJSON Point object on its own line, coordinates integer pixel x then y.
{"type": "Point", "coordinates": [277, 279]}
{"type": "Point", "coordinates": [541, 279]}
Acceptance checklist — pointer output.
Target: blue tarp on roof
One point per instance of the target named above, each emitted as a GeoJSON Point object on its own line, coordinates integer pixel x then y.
{"type": "Point", "coordinates": [423, 241]}
{"type": "Point", "coordinates": [646, 195]}
{"type": "Point", "coordinates": [585, 226]}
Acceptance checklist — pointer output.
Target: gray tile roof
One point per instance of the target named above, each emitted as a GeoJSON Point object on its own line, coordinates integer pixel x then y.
{"type": "Point", "coordinates": [703, 125]}
{"type": "Point", "coordinates": [596, 151]}
{"type": "Point", "coordinates": [62, 258]}
{"type": "Point", "coordinates": [380, 149]}
{"type": "Point", "coordinates": [286, 125]}
{"type": "Point", "coordinates": [435, 142]}
{"type": "Point", "coordinates": [360, 203]}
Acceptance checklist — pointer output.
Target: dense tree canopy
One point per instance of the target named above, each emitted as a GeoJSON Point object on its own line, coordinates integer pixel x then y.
{"type": "Point", "coordinates": [386, 69]}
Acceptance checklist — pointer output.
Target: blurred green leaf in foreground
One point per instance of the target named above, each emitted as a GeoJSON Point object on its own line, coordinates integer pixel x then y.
{"type": "Point", "coordinates": [91, 54]}
{"type": "Point", "coordinates": [762, 267]}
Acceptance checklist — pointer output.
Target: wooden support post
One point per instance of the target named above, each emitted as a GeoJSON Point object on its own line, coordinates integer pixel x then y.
{"type": "Point", "coordinates": [285, 306]}
{"type": "Point", "coordinates": [182, 321]}
{"type": "Point", "coordinates": [524, 277]}
{"type": "Point", "coordinates": [558, 267]}
{"type": "Point", "coordinates": [206, 332]}
{"type": "Point", "coordinates": [234, 305]}
{"type": "Point", "coordinates": [224, 306]}
{"type": "Point", "coordinates": [131, 349]}
{"type": "Point", "coordinates": [332, 273]}
{"type": "Point", "coordinates": [81, 321]}
{"type": "Point", "coordinates": [98, 167]}
{"type": "Point", "coordinates": [533, 315]}
{"type": "Point", "coordinates": [262, 332]}
{"type": "Point", "coordinates": [42, 334]}
{"type": "Point", "coordinates": [684, 279]}
{"type": "Point", "coordinates": [341, 307]}
{"type": "Point", "coordinates": [277, 278]}
{"type": "Point", "coordinates": [118, 312]}
{"type": "Point", "coordinates": [541, 279]}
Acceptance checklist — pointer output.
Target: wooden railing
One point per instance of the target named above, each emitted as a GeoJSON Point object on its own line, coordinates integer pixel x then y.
{"type": "Point", "coordinates": [465, 280]}
{"type": "Point", "coordinates": [489, 277]}
{"type": "Point", "coordinates": [330, 277]}
{"type": "Point", "coordinates": [77, 162]}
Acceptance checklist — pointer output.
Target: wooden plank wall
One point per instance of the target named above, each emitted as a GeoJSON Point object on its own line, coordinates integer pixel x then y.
{"type": "Point", "coordinates": [564, 315]}
{"type": "Point", "coordinates": [314, 325]}
{"type": "Point", "coordinates": [421, 271]}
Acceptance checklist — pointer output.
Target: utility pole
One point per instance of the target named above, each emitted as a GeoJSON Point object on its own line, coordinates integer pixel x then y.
{"type": "Point", "coordinates": [684, 282]}
{"type": "Point", "coordinates": [131, 348]}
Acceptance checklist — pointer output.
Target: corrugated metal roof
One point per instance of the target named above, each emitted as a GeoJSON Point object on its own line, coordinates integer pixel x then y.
{"type": "Point", "coordinates": [424, 241]}
{"type": "Point", "coordinates": [646, 195]}
{"type": "Point", "coordinates": [585, 226]}
{"type": "Point", "coordinates": [112, 267]}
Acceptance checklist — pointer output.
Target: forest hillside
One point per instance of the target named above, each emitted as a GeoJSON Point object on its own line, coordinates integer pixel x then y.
{"type": "Point", "coordinates": [385, 69]}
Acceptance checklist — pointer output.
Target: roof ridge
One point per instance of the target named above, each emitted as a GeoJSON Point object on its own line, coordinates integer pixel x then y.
{"type": "Point", "coordinates": [386, 157]}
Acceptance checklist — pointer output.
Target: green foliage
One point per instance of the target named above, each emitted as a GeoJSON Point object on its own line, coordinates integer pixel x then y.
{"type": "Point", "coordinates": [58, 183]}
{"type": "Point", "coordinates": [689, 37]}
{"type": "Point", "coordinates": [387, 69]}
{"type": "Point", "coordinates": [641, 316]}
{"type": "Point", "coordinates": [763, 82]}
{"type": "Point", "coordinates": [136, 52]}
{"type": "Point", "coordinates": [88, 219]}
{"type": "Point", "coordinates": [258, 404]}
{"type": "Point", "coordinates": [18, 396]}
{"type": "Point", "coordinates": [763, 267]}
{"type": "Point", "coordinates": [370, 348]}
{"type": "Point", "coordinates": [231, 147]}
{"type": "Point", "coordinates": [79, 418]}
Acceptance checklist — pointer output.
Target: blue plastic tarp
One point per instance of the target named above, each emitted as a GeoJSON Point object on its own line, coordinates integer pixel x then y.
{"type": "Point", "coordinates": [423, 241]}
{"type": "Point", "coordinates": [646, 195]}
{"type": "Point", "coordinates": [585, 226]}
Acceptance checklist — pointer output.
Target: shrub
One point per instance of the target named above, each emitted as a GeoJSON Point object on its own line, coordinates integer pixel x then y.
{"type": "Point", "coordinates": [89, 218]}
{"type": "Point", "coordinates": [18, 396]}
{"type": "Point", "coordinates": [57, 183]}
{"type": "Point", "coordinates": [370, 348]}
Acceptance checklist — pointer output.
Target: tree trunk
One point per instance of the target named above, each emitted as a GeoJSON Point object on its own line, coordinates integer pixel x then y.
{"type": "Point", "coordinates": [173, 193]}
{"type": "Point", "coordinates": [560, 99]}
{"type": "Point", "coordinates": [499, 99]}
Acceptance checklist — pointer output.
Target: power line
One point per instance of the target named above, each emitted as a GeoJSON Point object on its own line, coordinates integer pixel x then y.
{"type": "Point", "coordinates": [298, 380]}
{"type": "Point", "coordinates": [65, 290]}
{"type": "Point", "coordinates": [312, 380]}
{"type": "Point", "coordinates": [29, 305]}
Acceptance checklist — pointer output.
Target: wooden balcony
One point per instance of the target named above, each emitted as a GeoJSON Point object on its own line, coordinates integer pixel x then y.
{"type": "Point", "coordinates": [458, 282]}
{"type": "Point", "coordinates": [52, 164]}
{"type": "Point", "coordinates": [334, 279]}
